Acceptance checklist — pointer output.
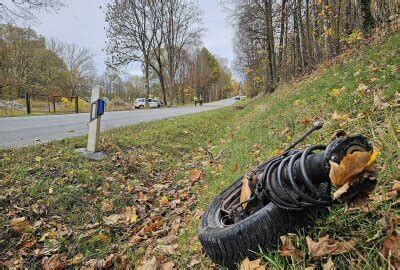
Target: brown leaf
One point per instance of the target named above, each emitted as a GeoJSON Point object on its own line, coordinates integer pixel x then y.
{"type": "Point", "coordinates": [135, 239]}
{"type": "Point", "coordinates": [340, 118]}
{"type": "Point", "coordinates": [193, 262]}
{"type": "Point", "coordinates": [395, 190]}
{"type": "Point", "coordinates": [326, 246]}
{"type": "Point", "coordinates": [76, 259]}
{"type": "Point", "coordinates": [106, 206]}
{"type": "Point", "coordinates": [251, 265]}
{"type": "Point", "coordinates": [153, 226]}
{"type": "Point", "coordinates": [245, 193]}
{"type": "Point", "coordinates": [329, 265]}
{"type": "Point", "coordinates": [27, 244]}
{"type": "Point", "coordinates": [55, 262]}
{"type": "Point", "coordinates": [152, 264]}
{"type": "Point", "coordinates": [103, 238]}
{"type": "Point", "coordinates": [195, 175]}
{"type": "Point", "coordinates": [175, 227]}
{"type": "Point", "coordinates": [391, 247]}
{"type": "Point", "coordinates": [112, 220]}
{"type": "Point", "coordinates": [288, 249]}
{"type": "Point", "coordinates": [379, 104]}
{"type": "Point", "coordinates": [167, 266]}
{"type": "Point", "coordinates": [349, 166]}
{"type": "Point", "coordinates": [19, 224]}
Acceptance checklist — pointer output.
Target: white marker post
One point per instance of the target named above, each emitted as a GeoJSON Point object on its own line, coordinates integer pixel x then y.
{"type": "Point", "coordinates": [94, 125]}
{"type": "Point", "coordinates": [97, 109]}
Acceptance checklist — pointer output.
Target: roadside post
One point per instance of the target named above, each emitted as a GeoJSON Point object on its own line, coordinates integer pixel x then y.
{"type": "Point", "coordinates": [97, 109]}
{"type": "Point", "coordinates": [77, 104]}
{"type": "Point", "coordinates": [28, 103]}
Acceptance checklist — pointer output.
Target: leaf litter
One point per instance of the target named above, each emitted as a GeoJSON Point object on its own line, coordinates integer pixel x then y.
{"type": "Point", "coordinates": [151, 222]}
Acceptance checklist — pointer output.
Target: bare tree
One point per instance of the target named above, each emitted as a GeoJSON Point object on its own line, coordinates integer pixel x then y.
{"type": "Point", "coordinates": [131, 35]}
{"type": "Point", "coordinates": [182, 31]}
{"type": "Point", "coordinates": [13, 11]}
{"type": "Point", "coordinates": [79, 62]}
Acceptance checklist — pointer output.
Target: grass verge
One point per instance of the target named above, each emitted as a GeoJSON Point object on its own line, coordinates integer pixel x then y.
{"type": "Point", "coordinates": [145, 199]}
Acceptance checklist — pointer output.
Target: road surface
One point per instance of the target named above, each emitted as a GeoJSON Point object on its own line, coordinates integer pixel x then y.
{"type": "Point", "coordinates": [23, 131]}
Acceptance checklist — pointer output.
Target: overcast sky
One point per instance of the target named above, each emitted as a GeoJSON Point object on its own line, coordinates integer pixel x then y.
{"type": "Point", "coordinates": [83, 22]}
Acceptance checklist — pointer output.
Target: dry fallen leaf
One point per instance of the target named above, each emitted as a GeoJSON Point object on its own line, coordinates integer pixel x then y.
{"type": "Point", "coordinates": [326, 246]}
{"type": "Point", "coordinates": [76, 259]}
{"type": "Point", "coordinates": [112, 220]}
{"type": "Point", "coordinates": [335, 92]}
{"type": "Point", "coordinates": [357, 192]}
{"type": "Point", "coordinates": [55, 262]}
{"type": "Point", "coordinates": [195, 175]}
{"type": "Point", "coordinates": [19, 224]}
{"type": "Point", "coordinates": [106, 206]}
{"type": "Point", "coordinates": [361, 89]}
{"type": "Point", "coordinates": [164, 201]}
{"type": "Point", "coordinates": [379, 104]}
{"type": "Point", "coordinates": [251, 265]}
{"type": "Point", "coordinates": [167, 266]}
{"type": "Point", "coordinates": [341, 118]}
{"type": "Point", "coordinates": [288, 249]}
{"type": "Point", "coordinates": [391, 247]}
{"type": "Point", "coordinates": [245, 193]}
{"type": "Point", "coordinates": [394, 192]}
{"type": "Point", "coordinates": [349, 166]}
{"type": "Point", "coordinates": [152, 264]}
{"type": "Point", "coordinates": [329, 265]}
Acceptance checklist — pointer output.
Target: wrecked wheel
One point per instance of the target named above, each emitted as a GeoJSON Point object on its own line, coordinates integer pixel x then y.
{"type": "Point", "coordinates": [226, 243]}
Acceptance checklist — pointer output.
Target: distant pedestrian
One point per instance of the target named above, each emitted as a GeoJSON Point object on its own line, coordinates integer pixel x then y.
{"type": "Point", "coordinates": [201, 100]}
{"type": "Point", "coordinates": [195, 100]}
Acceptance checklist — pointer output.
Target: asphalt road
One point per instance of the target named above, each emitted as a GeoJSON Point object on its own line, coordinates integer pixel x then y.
{"type": "Point", "coordinates": [23, 131]}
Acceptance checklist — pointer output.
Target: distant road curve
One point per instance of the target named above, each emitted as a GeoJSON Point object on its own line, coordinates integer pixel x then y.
{"type": "Point", "coordinates": [23, 131]}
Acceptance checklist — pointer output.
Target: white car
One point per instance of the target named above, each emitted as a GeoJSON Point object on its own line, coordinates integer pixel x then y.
{"type": "Point", "coordinates": [240, 97]}
{"type": "Point", "coordinates": [140, 103]}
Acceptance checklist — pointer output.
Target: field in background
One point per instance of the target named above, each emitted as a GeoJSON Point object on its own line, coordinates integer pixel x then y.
{"type": "Point", "coordinates": [40, 106]}
{"type": "Point", "coordinates": [146, 198]}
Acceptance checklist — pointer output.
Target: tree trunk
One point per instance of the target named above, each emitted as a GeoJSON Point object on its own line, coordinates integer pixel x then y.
{"type": "Point", "coordinates": [338, 22]}
{"type": "Point", "coordinates": [368, 21]}
{"type": "Point", "coordinates": [283, 22]}
{"type": "Point", "coordinates": [270, 47]}
{"type": "Point", "coordinates": [147, 86]}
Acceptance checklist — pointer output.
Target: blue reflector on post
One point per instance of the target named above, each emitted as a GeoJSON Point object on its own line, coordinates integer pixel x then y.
{"type": "Point", "coordinates": [101, 107]}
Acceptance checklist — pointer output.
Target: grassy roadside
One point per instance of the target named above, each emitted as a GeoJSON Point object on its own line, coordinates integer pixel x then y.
{"type": "Point", "coordinates": [145, 199]}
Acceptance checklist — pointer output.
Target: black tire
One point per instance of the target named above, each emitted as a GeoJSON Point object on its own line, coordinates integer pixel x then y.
{"type": "Point", "coordinates": [227, 246]}
{"type": "Point", "coordinates": [141, 107]}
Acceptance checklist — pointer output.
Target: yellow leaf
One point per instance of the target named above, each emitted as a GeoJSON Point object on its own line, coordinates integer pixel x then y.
{"type": "Point", "coordinates": [38, 159]}
{"type": "Point", "coordinates": [373, 158]}
{"type": "Point", "coordinates": [361, 89]}
{"type": "Point", "coordinates": [245, 192]}
{"type": "Point", "coordinates": [297, 102]}
{"type": "Point", "coordinates": [164, 201]}
{"type": "Point", "coordinates": [52, 235]}
{"type": "Point", "coordinates": [133, 218]}
{"type": "Point", "coordinates": [349, 166]}
{"type": "Point", "coordinates": [335, 92]}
